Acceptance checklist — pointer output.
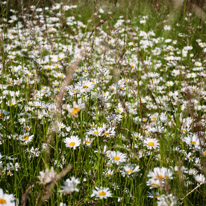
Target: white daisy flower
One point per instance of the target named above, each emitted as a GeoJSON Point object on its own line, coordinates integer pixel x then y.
{"type": "Point", "coordinates": [72, 142]}
{"type": "Point", "coordinates": [116, 157]}
{"type": "Point", "coordinates": [101, 192]}
{"type": "Point", "coordinates": [200, 178]}
{"type": "Point", "coordinates": [75, 109]}
{"type": "Point", "coordinates": [88, 141]}
{"type": "Point", "coordinates": [130, 169]}
{"type": "Point", "coordinates": [167, 200]}
{"type": "Point", "coordinates": [192, 140]}
{"type": "Point", "coordinates": [70, 185]}
{"type": "Point", "coordinates": [160, 173]}
{"type": "Point", "coordinates": [151, 143]}
{"type": "Point", "coordinates": [6, 199]}
{"type": "Point", "coordinates": [47, 176]}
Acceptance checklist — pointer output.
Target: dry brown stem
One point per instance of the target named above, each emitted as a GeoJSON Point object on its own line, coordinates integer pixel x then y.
{"type": "Point", "coordinates": [49, 187]}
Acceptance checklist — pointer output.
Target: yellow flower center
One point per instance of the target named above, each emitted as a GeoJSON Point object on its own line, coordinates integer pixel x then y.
{"type": "Point", "coordinates": [102, 193]}
{"type": "Point", "coordinates": [26, 137]}
{"type": "Point", "coordinates": [8, 173]}
{"type": "Point", "coordinates": [116, 158]}
{"type": "Point", "coordinates": [75, 110]}
{"type": "Point", "coordinates": [105, 133]}
{"type": "Point", "coordinates": [151, 144]}
{"type": "Point", "coordinates": [159, 177]}
{"type": "Point", "coordinates": [95, 133]}
{"type": "Point", "coordinates": [119, 110]}
{"type": "Point", "coordinates": [130, 171]}
{"type": "Point", "coordinates": [193, 142]}
{"type": "Point", "coordinates": [2, 201]}
{"type": "Point", "coordinates": [1, 115]}
{"type": "Point", "coordinates": [72, 144]}
{"type": "Point", "coordinates": [11, 104]}
{"type": "Point", "coordinates": [85, 86]}
{"type": "Point", "coordinates": [87, 142]}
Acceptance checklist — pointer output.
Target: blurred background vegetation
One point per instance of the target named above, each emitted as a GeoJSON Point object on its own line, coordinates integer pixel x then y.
{"type": "Point", "coordinates": [130, 6]}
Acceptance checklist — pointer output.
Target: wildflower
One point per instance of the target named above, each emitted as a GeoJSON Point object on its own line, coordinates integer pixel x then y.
{"type": "Point", "coordinates": [192, 172]}
{"type": "Point", "coordinates": [192, 140]}
{"type": "Point", "coordinates": [95, 131]}
{"type": "Point", "coordinates": [167, 200]}
{"type": "Point", "coordinates": [86, 86]}
{"type": "Point", "coordinates": [88, 141]}
{"type": "Point", "coordinates": [151, 143]}
{"type": "Point", "coordinates": [130, 169]}
{"type": "Point", "coordinates": [109, 172]}
{"type": "Point", "coordinates": [170, 83]}
{"type": "Point", "coordinates": [6, 199]}
{"type": "Point", "coordinates": [101, 192]}
{"type": "Point", "coordinates": [200, 178]}
{"type": "Point", "coordinates": [72, 142]}
{"type": "Point", "coordinates": [153, 183]}
{"type": "Point", "coordinates": [116, 157]}
{"type": "Point", "coordinates": [75, 109]}
{"type": "Point", "coordinates": [160, 173]}
{"type": "Point", "coordinates": [47, 176]}
{"type": "Point", "coordinates": [70, 185]}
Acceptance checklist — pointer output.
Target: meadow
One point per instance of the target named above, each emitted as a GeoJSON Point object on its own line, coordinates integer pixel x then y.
{"type": "Point", "coordinates": [103, 103]}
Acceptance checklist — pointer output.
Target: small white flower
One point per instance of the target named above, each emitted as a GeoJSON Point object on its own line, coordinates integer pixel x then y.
{"type": "Point", "coordinates": [167, 200]}
{"type": "Point", "coordinates": [116, 157]}
{"type": "Point", "coordinates": [200, 178]}
{"type": "Point", "coordinates": [167, 28]}
{"type": "Point", "coordinates": [75, 109]}
{"type": "Point", "coordinates": [151, 143]}
{"type": "Point", "coordinates": [47, 176]}
{"type": "Point", "coordinates": [6, 199]}
{"type": "Point", "coordinates": [101, 192]}
{"type": "Point", "coordinates": [130, 169]}
{"type": "Point", "coordinates": [72, 142]}
{"type": "Point", "coordinates": [70, 185]}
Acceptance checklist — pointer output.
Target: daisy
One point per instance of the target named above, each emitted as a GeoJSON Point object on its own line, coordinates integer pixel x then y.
{"type": "Point", "coordinates": [130, 169]}
{"type": "Point", "coordinates": [95, 131]}
{"type": "Point", "coordinates": [88, 141]}
{"type": "Point", "coordinates": [160, 173]}
{"type": "Point", "coordinates": [153, 183]}
{"type": "Point", "coordinates": [6, 199]}
{"type": "Point", "coordinates": [151, 143]}
{"type": "Point", "coordinates": [72, 142]}
{"type": "Point", "coordinates": [101, 192]}
{"type": "Point", "coordinates": [86, 86]}
{"type": "Point", "coordinates": [200, 178]}
{"type": "Point", "coordinates": [192, 172]}
{"type": "Point", "coordinates": [75, 109]}
{"type": "Point", "coordinates": [109, 173]}
{"type": "Point", "coordinates": [47, 176]}
{"type": "Point", "coordinates": [169, 200]}
{"type": "Point", "coordinates": [70, 185]}
{"type": "Point", "coordinates": [116, 157]}
{"type": "Point", "coordinates": [192, 140]}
